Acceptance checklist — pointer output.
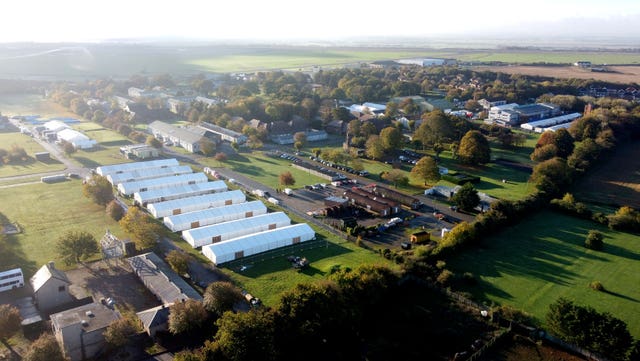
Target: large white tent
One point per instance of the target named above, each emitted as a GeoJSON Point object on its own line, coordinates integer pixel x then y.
{"type": "Point", "coordinates": [209, 216]}
{"type": "Point", "coordinates": [128, 167]}
{"type": "Point", "coordinates": [197, 203]}
{"type": "Point", "coordinates": [198, 237]}
{"type": "Point", "coordinates": [176, 192]}
{"type": "Point", "coordinates": [142, 174]}
{"type": "Point", "coordinates": [128, 188]}
{"type": "Point", "coordinates": [543, 123]}
{"type": "Point", "coordinates": [237, 248]}
{"type": "Point", "coordinates": [77, 139]}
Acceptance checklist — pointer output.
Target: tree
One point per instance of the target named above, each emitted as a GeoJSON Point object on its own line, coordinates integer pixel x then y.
{"type": "Point", "coordinates": [44, 348]}
{"type": "Point", "coordinates": [9, 324]}
{"type": "Point", "coordinates": [74, 246]}
{"type": "Point", "coordinates": [153, 142]}
{"type": "Point", "coordinates": [584, 326]}
{"type": "Point", "coordinates": [115, 210]}
{"type": "Point", "coordinates": [391, 138]}
{"type": "Point", "coordinates": [396, 176]}
{"type": "Point", "coordinates": [552, 176]}
{"type": "Point", "coordinates": [436, 127]}
{"type": "Point", "coordinates": [286, 179]}
{"type": "Point", "coordinates": [466, 197]}
{"type": "Point", "coordinates": [247, 336]}
{"type": "Point", "coordinates": [186, 317]}
{"type": "Point", "coordinates": [141, 227]}
{"type": "Point", "coordinates": [220, 157]}
{"type": "Point", "coordinates": [68, 148]}
{"type": "Point", "coordinates": [564, 142]}
{"type": "Point", "coordinates": [98, 189]}
{"type": "Point", "coordinates": [546, 152]}
{"type": "Point", "coordinates": [474, 148]}
{"type": "Point", "coordinates": [179, 261]}
{"type": "Point", "coordinates": [120, 331]}
{"type": "Point", "coordinates": [207, 147]}
{"type": "Point", "coordinates": [220, 297]}
{"type": "Point", "coordinates": [427, 170]}
{"type": "Point", "coordinates": [300, 139]}
{"type": "Point", "coordinates": [374, 148]}
{"type": "Point", "coordinates": [594, 240]}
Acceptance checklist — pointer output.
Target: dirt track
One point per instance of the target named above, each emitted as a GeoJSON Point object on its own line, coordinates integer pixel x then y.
{"type": "Point", "coordinates": [615, 74]}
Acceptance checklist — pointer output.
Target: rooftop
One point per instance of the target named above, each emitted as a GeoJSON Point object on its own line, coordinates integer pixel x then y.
{"type": "Point", "coordinates": [93, 316]}
{"type": "Point", "coordinates": [45, 273]}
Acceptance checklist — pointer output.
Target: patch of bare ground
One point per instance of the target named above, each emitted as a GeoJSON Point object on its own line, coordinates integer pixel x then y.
{"type": "Point", "coordinates": [614, 74]}
{"type": "Point", "coordinates": [521, 349]}
{"type": "Point", "coordinates": [614, 182]}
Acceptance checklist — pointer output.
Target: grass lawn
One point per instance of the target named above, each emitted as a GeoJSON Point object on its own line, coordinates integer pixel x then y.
{"type": "Point", "coordinates": [31, 147]}
{"type": "Point", "coordinates": [268, 275]}
{"type": "Point", "coordinates": [531, 265]}
{"type": "Point", "coordinates": [108, 149]}
{"type": "Point", "coordinates": [265, 169]}
{"type": "Point", "coordinates": [45, 212]}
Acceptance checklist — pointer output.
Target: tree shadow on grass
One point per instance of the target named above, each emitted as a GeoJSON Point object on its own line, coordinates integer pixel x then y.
{"type": "Point", "coordinates": [86, 162]}
{"type": "Point", "coordinates": [619, 295]}
{"type": "Point", "coordinates": [115, 143]}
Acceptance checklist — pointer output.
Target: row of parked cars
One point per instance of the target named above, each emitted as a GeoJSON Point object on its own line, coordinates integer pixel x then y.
{"type": "Point", "coordinates": [341, 167]}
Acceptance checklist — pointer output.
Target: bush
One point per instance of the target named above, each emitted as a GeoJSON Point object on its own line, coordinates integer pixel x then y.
{"type": "Point", "coordinates": [460, 178]}
{"type": "Point", "coordinates": [115, 210]}
{"type": "Point", "coordinates": [594, 240]}
{"type": "Point", "coordinates": [445, 277]}
{"type": "Point", "coordinates": [596, 285]}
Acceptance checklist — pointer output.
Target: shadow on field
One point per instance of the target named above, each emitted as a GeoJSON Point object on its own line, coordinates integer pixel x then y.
{"type": "Point", "coordinates": [116, 143]}
{"type": "Point", "coordinates": [616, 294]}
{"type": "Point", "coordinates": [87, 163]}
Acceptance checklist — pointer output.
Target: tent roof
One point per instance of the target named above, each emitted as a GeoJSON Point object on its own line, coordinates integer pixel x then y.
{"type": "Point", "coordinates": [163, 182]}
{"type": "Point", "coordinates": [216, 212]}
{"type": "Point", "coordinates": [128, 167]}
{"type": "Point", "coordinates": [189, 201]}
{"type": "Point", "coordinates": [215, 186]}
{"type": "Point", "coordinates": [226, 227]}
{"type": "Point", "coordinates": [148, 173]}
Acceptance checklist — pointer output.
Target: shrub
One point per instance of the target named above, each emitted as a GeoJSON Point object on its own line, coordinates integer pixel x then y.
{"type": "Point", "coordinates": [594, 240]}
{"type": "Point", "coordinates": [445, 277]}
{"type": "Point", "coordinates": [115, 210]}
{"type": "Point", "coordinates": [460, 178]}
{"type": "Point", "coordinates": [596, 285]}
{"type": "Point", "coordinates": [441, 264]}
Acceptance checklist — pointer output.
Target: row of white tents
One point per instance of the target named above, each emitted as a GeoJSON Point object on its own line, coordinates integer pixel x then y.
{"type": "Point", "coordinates": [540, 126]}
{"type": "Point", "coordinates": [221, 221]}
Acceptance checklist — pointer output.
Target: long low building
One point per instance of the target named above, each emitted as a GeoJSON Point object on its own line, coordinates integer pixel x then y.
{"type": "Point", "coordinates": [209, 216]}
{"type": "Point", "coordinates": [544, 123]}
{"type": "Point", "coordinates": [202, 236]}
{"type": "Point", "coordinates": [197, 203]}
{"type": "Point", "coordinates": [177, 192]}
{"type": "Point", "coordinates": [142, 174]}
{"type": "Point", "coordinates": [129, 188]}
{"type": "Point", "coordinates": [105, 170]}
{"type": "Point", "coordinates": [252, 244]}
{"type": "Point", "coordinates": [77, 139]}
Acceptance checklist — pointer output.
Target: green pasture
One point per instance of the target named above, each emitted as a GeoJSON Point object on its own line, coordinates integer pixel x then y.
{"type": "Point", "coordinates": [530, 265]}
{"type": "Point", "coordinates": [264, 169]}
{"type": "Point", "coordinates": [270, 274]}
{"type": "Point", "coordinates": [550, 57]}
{"type": "Point", "coordinates": [108, 149]}
{"type": "Point", "coordinates": [45, 212]}
{"type": "Point", "coordinates": [31, 166]}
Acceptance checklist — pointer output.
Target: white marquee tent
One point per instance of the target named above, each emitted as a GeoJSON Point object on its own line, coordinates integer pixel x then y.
{"type": "Point", "coordinates": [142, 174]}
{"type": "Point", "coordinates": [197, 203]}
{"type": "Point", "coordinates": [128, 167]}
{"type": "Point", "coordinates": [77, 139]}
{"type": "Point", "coordinates": [209, 216]}
{"type": "Point", "coordinates": [198, 237]}
{"type": "Point", "coordinates": [128, 188]}
{"type": "Point", "coordinates": [176, 192]}
{"type": "Point", "coordinates": [237, 248]}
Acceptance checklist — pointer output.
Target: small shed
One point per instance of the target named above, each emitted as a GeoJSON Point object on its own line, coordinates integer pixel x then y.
{"type": "Point", "coordinates": [420, 237]}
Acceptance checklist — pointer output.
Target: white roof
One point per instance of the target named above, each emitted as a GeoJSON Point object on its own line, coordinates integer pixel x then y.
{"type": "Point", "coordinates": [201, 236]}
{"type": "Point", "coordinates": [141, 174]}
{"type": "Point", "coordinates": [179, 191]}
{"type": "Point", "coordinates": [209, 216]}
{"type": "Point", "coordinates": [44, 274]}
{"type": "Point", "coordinates": [128, 167]}
{"type": "Point", "coordinates": [226, 251]}
{"type": "Point", "coordinates": [551, 121]}
{"type": "Point", "coordinates": [162, 182]}
{"type": "Point", "coordinates": [72, 136]}
{"type": "Point", "coordinates": [55, 125]}
{"type": "Point", "coordinates": [195, 203]}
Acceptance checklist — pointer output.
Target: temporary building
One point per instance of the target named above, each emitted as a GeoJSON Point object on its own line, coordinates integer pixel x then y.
{"type": "Point", "coordinates": [128, 188]}
{"type": "Point", "coordinates": [543, 123]}
{"type": "Point", "coordinates": [198, 237]}
{"type": "Point", "coordinates": [77, 139]}
{"type": "Point", "coordinates": [197, 203]}
{"type": "Point", "coordinates": [142, 174]}
{"type": "Point", "coordinates": [128, 167]}
{"type": "Point", "coordinates": [209, 216]}
{"type": "Point", "coordinates": [177, 192]}
{"type": "Point", "coordinates": [237, 248]}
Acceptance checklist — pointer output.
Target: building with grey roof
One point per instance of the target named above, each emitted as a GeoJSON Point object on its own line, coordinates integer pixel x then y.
{"type": "Point", "coordinates": [154, 319]}
{"type": "Point", "coordinates": [161, 280]}
{"type": "Point", "coordinates": [186, 138]}
{"type": "Point", "coordinates": [224, 133]}
{"type": "Point", "coordinates": [79, 331]}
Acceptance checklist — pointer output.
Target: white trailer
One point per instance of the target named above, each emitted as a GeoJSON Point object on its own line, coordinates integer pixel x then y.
{"type": "Point", "coordinates": [209, 216]}
{"type": "Point", "coordinates": [202, 236]}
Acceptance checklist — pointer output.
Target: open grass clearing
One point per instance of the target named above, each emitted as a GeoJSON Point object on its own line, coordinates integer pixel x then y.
{"type": "Point", "coordinates": [108, 148]}
{"type": "Point", "coordinates": [31, 166]}
{"type": "Point", "coordinates": [530, 265]}
{"type": "Point", "coordinates": [45, 212]}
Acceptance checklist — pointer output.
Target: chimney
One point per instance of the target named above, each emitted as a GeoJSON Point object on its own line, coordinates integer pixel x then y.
{"type": "Point", "coordinates": [52, 265]}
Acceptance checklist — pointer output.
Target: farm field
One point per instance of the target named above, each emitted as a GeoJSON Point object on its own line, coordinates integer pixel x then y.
{"type": "Point", "coordinates": [531, 265]}
{"type": "Point", "coordinates": [45, 212]}
{"type": "Point", "coordinates": [616, 74]}
{"type": "Point", "coordinates": [615, 182]}
{"type": "Point", "coordinates": [31, 147]}
{"type": "Point", "coordinates": [32, 104]}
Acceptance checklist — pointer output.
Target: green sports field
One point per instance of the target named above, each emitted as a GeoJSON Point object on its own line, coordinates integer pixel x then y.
{"type": "Point", "coordinates": [531, 265]}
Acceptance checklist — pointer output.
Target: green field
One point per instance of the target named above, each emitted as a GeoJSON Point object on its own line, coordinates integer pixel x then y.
{"type": "Point", "coordinates": [31, 147]}
{"type": "Point", "coordinates": [45, 212]}
{"type": "Point", "coordinates": [531, 265]}
{"type": "Point", "coordinates": [108, 149]}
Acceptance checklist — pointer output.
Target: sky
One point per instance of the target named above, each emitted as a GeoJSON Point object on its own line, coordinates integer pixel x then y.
{"type": "Point", "coordinates": [91, 20]}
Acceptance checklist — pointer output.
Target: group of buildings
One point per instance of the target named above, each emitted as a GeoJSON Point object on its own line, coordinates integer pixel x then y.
{"type": "Point", "coordinates": [59, 131]}
{"type": "Point", "coordinates": [538, 117]}
{"type": "Point", "coordinates": [207, 213]}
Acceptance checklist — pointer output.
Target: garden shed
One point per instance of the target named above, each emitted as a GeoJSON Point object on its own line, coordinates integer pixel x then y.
{"type": "Point", "coordinates": [252, 244]}
{"type": "Point", "coordinates": [177, 192]}
{"type": "Point", "coordinates": [198, 237]}
{"type": "Point", "coordinates": [209, 216]}
{"type": "Point", "coordinates": [196, 203]}
{"type": "Point", "coordinates": [129, 188]}
{"type": "Point", "coordinates": [105, 170]}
